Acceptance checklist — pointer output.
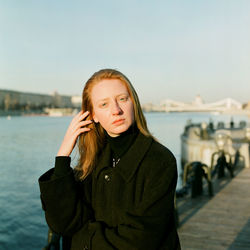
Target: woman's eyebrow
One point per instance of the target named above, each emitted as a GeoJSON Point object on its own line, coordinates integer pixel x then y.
{"type": "Point", "coordinates": [104, 99]}
{"type": "Point", "coordinates": [107, 98]}
{"type": "Point", "coordinates": [124, 93]}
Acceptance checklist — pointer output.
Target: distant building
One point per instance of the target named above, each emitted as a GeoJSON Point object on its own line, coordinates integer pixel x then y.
{"type": "Point", "coordinates": [246, 106]}
{"type": "Point", "coordinates": [15, 100]}
{"type": "Point", "coordinates": [76, 101]}
{"type": "Point", "coordinates": [198, 101]}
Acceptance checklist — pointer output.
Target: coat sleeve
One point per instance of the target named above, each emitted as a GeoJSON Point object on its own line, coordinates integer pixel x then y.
{"type": "Point", "coordinates": [66, 208]}
{"type": "Point", "coordinates": [152, 223]}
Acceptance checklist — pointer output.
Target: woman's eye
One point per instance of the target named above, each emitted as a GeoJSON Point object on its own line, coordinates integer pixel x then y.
{"type": "Point", "coordinates": [103, 105]}
{"type": "Point", "coordinates": [124, 98]}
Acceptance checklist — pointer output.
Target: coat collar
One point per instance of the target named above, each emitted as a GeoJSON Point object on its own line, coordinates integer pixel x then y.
{"type": "Point", "coordinates": [129, 162]}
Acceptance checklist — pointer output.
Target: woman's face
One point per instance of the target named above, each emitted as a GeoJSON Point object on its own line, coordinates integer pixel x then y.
{"type": "Point", "coordinates": [112, 106]}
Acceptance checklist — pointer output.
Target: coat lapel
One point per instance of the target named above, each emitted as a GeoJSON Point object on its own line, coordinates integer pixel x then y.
{"type": "Point", "coordinates": [128, 163]}
{"type": "Point", "coordinates": [104, 161]}
{"type": "Point", "coordinates": [131, 160]}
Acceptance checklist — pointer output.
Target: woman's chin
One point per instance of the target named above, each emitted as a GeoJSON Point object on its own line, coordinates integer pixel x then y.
{"type": "Point", "coordinates": [118, 130]}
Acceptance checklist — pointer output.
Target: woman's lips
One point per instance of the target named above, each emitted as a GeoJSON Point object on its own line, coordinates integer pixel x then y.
{"type": "Point", "coordinates": [118, 122]}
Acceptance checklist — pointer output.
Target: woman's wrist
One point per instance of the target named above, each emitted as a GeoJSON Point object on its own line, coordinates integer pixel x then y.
{"type": "Point", "coordinates": [62, 165]}
{"type": "Point", "coordinates": [62, 153]}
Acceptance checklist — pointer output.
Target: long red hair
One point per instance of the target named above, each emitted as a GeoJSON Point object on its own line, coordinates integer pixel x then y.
{"type": "Point", "coordinates": [91, 143]}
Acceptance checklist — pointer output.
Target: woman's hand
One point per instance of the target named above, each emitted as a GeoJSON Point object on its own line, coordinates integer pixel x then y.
{"type": "Point", "coordinates": [76, 127]}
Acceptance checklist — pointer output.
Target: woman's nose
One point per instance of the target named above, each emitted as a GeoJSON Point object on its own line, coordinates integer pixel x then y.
{"type": "Point", "coordinates": [116, 109]}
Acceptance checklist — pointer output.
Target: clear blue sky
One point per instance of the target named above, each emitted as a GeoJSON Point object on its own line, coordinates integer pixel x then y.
{"type": "Point", "coordinates": [169, 49]}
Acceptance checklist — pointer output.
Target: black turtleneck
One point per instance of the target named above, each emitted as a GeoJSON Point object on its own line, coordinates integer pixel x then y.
{"type": "Point", "coordinates": [120, 144]}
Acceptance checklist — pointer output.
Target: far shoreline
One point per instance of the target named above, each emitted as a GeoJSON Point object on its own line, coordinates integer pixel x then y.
{"type": "Point", "coordinates": [61, 112]}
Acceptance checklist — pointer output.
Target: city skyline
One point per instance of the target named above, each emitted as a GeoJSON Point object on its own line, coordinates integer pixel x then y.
{"type": "Point", "coordinates": [195, 101]}
{"type": "Point", "coordinates": [168, 49]}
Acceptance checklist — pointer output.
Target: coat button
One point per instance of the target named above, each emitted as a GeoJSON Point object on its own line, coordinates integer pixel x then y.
{"type": "Point", "coordinates": [107, 178]}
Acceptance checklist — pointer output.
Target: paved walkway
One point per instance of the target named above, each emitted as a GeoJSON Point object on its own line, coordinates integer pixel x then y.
{"type": "Point", "coordinates": [221, 222]}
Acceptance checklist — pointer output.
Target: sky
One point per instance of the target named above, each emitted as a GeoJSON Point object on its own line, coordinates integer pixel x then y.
{"type": "Point", "coordinates": [169, 49]}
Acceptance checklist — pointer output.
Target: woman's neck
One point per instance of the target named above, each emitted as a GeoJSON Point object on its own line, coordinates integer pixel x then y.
{"type": "Point", "coordinates": [121, 143]}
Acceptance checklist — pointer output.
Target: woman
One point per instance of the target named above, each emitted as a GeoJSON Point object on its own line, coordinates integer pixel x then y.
{"type": "Point", "coordinates": [121, 193]}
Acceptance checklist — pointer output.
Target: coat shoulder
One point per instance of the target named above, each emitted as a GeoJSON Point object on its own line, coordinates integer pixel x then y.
{"type": "Point", "coordinates": [160, 153]}
{"type": "Point", "coordinates": [159, 163]}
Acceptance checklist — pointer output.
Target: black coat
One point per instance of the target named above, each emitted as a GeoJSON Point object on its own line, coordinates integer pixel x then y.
{"type": "Point", "coordinates": [130, 206]}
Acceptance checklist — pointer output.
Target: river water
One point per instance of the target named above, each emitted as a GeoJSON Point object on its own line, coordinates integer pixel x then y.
{"type": "Point", "coordinates": [28, 146]}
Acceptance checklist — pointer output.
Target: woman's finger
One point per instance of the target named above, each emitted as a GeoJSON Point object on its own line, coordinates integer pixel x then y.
{"type": "Point", "coordinates": [75, 119]}
{"type": "Point", "coordinates": [80, 116]}
{"type": "Point", "coordinates": [84, 123]}
{"type": "Point", "coordinates": [80, 124]}
{"type": "Point", "coordinates": [83, 115]}
{"type": "Point", "coordinates": [82, 130]}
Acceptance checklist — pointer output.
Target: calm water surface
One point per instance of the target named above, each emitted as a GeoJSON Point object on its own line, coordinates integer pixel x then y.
{"type": "Point", "coordinates": [28, 146]}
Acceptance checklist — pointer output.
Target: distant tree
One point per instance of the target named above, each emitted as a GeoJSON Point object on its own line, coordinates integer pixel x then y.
{"type": "Point", "coordinates": [7, 102]}
{"type": "Point", "coordinates": [2, 105]}
{"type": "Point", "coordinates": [14, 104]}
{"type": "Point", "coordinates": [57, 100]}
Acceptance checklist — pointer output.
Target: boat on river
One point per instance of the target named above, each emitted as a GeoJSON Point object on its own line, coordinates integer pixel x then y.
{"type": "Point", "coordinates": [203, 141]}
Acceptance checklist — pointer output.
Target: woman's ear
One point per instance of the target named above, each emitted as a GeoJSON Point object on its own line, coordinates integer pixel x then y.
{"type": "Point", "coordinates": [95, 119]}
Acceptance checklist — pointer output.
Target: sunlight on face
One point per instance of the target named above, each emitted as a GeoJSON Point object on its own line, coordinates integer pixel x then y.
{"type": "Point", "coordinates": [112, 106]}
